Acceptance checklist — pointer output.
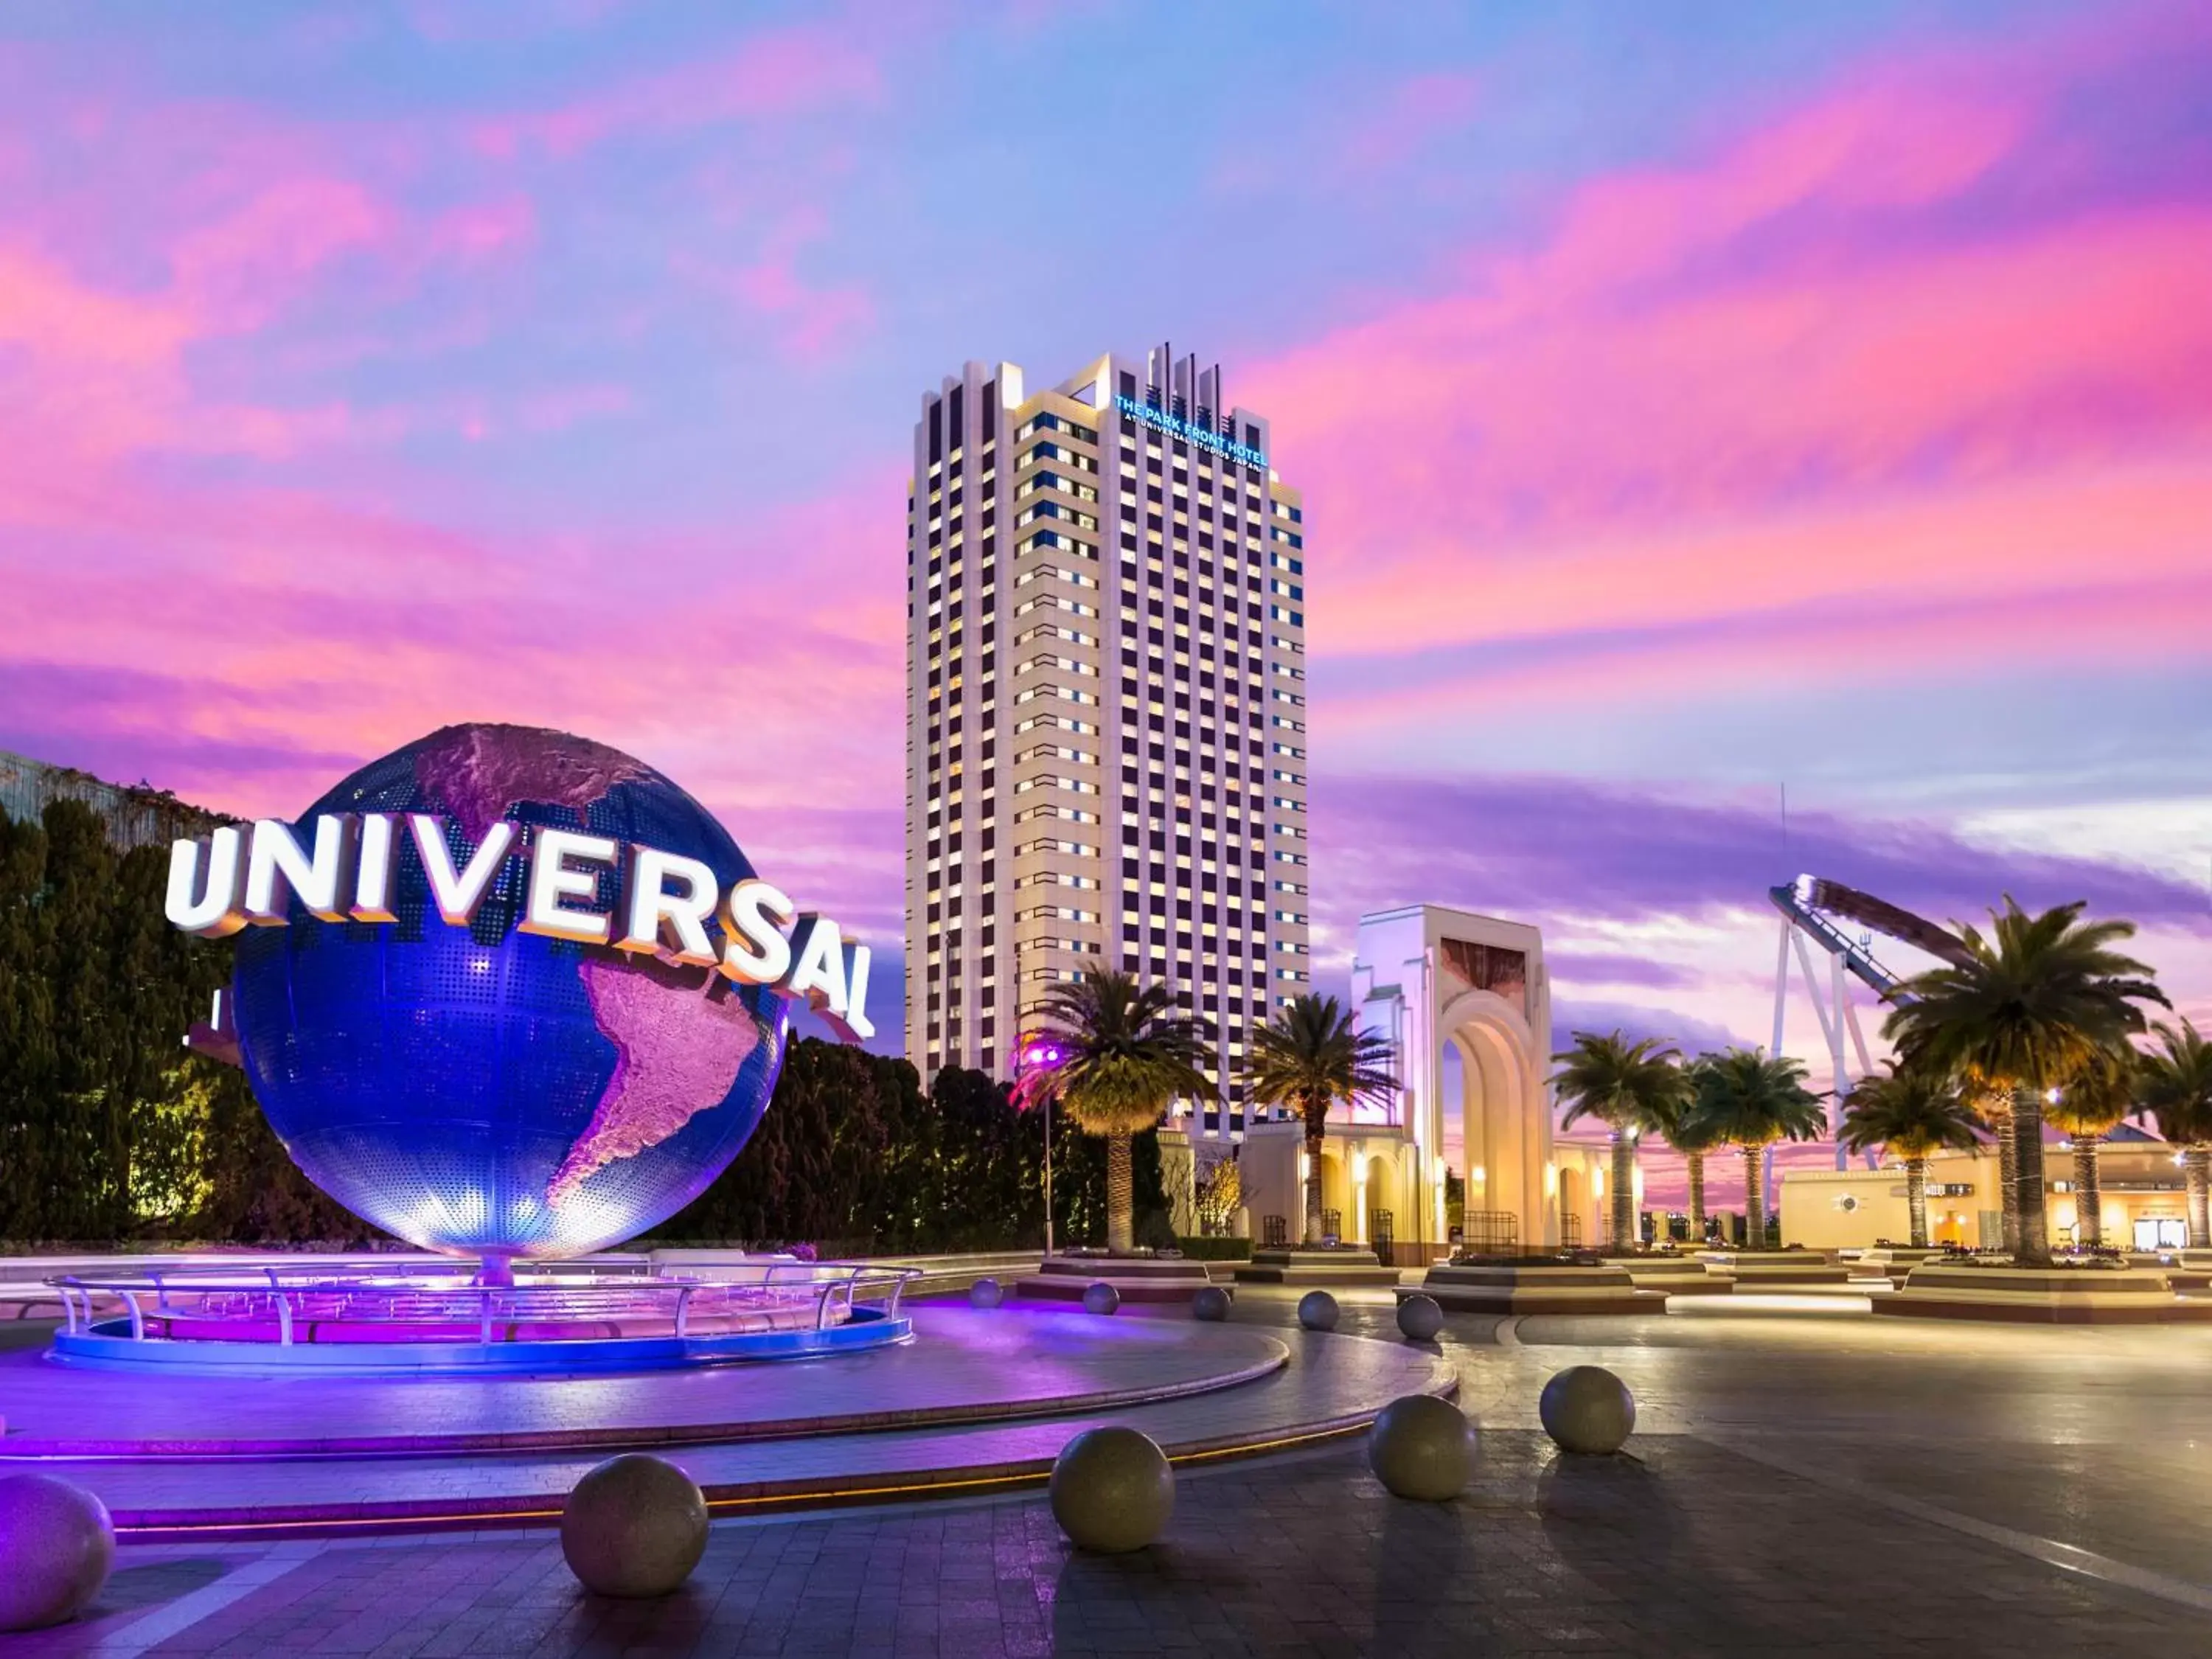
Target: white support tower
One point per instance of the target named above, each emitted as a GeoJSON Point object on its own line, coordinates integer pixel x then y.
{"type": "Point", "coordinates": [1812, 909]}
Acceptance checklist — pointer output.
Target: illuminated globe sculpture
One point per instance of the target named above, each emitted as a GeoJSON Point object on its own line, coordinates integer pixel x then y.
{"type": "Point", "coordinates": [486, 1091]}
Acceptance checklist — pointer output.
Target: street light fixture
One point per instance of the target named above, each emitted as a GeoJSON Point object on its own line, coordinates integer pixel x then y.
{"type": "Point", "coordinates": [1037, 1081]}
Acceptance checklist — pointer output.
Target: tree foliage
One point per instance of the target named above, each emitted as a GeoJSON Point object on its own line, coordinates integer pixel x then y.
{"type": "Point", "coordinates": [1130, 1051]}
{"type": "Point", "coordinates": [852, 1156]}
{"type": "Point", "coordinates": [1631, 1086]}
{"type": "Point", "coordinates": [1311, 1055]}
{"type": "Point", "coordinates": [109, 1129]}
{"type": "Point", "coordinates": [2175, 1087]}
{"type": "Point", "coordinates": [2028, 1009]}
{"type": "Point", "coordinates": [111, 1132]}
{"type": "Point", "coordinates": [1911, 1113]}
{"type": "Point", "coordinates": [1748, 1099]}
{"type": "Point", "coordinates": [1220, 1194]}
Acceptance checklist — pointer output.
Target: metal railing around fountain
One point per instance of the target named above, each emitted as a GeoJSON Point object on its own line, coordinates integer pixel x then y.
{"type": "Point", "coordinates": [425, 1297]}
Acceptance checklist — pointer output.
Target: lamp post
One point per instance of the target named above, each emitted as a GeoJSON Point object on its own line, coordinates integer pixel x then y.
{"type": "Point", "coordinates": [1036, 1080]}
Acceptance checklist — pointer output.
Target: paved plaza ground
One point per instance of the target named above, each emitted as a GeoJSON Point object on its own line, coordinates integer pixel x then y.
{"type": "Point", "coordinates": [1803, 1485]}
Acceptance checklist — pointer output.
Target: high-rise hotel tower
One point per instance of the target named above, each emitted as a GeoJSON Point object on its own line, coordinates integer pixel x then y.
{"type": "Point", "coordinates": [1106, 719]}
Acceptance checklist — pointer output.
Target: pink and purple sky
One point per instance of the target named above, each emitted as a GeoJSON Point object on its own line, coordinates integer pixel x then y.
{"type": "Point", "coordinates": [1688, 402]}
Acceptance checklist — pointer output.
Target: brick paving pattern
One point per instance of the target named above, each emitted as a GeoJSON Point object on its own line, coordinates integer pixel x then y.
{"type": "Point", "coordinates": [1939, 1474]}
{"type": "Point", "coordinates": [1687, 1549]}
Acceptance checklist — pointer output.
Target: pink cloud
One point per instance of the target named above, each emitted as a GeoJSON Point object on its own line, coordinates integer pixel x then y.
{"type": "Point", "coordinates": [1812, 368]}
{"type": "Point", "coordinates": [1747, 396]}
{"type": "Point", "coordinates": [243, 645]}
{"type": "Point", "coordinates": [2134, 628]}
{"type": "Point", "coordinates": [1417, 112]}
{"type": "Point", "coordinates": [2112, 567]}
{"type": "Point", "coordinates": [480, 230]}
{"type": "Point", "coordinates": [47, 314]}
{"type": "Point", "coordinates": [808, 321]}
{"type": "Point", "coordinates": [238, 266]}
{"type": "Point", "coordinates": [556, 411]}
{"type": "Point", "coordinates": [113, 297]}
{"type": "Point", "coordinates": [773, 74]}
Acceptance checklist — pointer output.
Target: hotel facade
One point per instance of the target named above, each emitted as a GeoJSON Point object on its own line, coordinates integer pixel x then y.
{"type": "Point", "coordinates": [1106, 708]}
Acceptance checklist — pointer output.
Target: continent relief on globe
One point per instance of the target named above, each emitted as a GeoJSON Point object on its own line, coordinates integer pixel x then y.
{"type": "Point", "coordinates": [679, 1049]}
{"type": "Point", "coordinates": [480, 771]}
{"type": "Point", "coordinates": [678, 1046]}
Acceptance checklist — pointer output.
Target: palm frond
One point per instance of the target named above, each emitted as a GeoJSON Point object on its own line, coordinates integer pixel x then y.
{"type": "Point", "coordinates": [1629, 1086]}
{"type": "Point", "coordinates": [2036, 997]}
{"type": "Point", "coordinates": [1911, 1113]}
{"type": "Point", "coordinates": [2173, 1085]}
{"type": "Point", "coordinates": [1130, 1050]}
{"type": "Point", "coordinates": [1747, 1098]}
{"type": "Point", "coordinates": [1313, 1055]}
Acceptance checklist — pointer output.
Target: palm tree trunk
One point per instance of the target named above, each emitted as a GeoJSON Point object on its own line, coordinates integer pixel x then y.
{"type": "Point", "coordinates": [2008, 1181]}
{"type": "Point", "coordinates": [2088, 1195]}
{"type": "Point", "coordinates": [1624, 1192]}
{"type": "Point", "coordinates": [2196, 1170]}
{"type": "Point", "coordinates": [1696, 1164]}
{"type": "Point", "coordinates": [1121, 1196]}
{"type": "Point", "coordinates": [1316, 1138]}
{"type": "Point", "coordinates": [1754, 1198]}
{"type": "Point", "coordinates": [1770, 1199]}
{"type": "Point", "coordinates": [2034, 1249]}
{"type": "Point", "coordinates": [1916, 1199]}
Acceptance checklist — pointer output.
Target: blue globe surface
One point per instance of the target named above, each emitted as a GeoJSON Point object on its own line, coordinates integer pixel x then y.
{"type": "Point", "coordinates": [480, 1089]}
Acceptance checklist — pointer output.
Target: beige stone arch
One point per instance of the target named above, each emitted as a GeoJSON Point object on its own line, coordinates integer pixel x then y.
{"type": "Point", "coordinates": [1435, 980]}
{"type": "Point", "coordinates": [1504, 1118]}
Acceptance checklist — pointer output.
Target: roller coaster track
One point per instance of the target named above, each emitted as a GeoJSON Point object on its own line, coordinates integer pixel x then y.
{"type": "Point", "coordinates": [1815, 908]}
{"type": "Point", "coordinates": [1812, 904]}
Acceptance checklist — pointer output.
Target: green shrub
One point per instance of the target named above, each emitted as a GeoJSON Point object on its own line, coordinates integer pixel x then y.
{"type": "Point", "coordinates": [1216, 1249]}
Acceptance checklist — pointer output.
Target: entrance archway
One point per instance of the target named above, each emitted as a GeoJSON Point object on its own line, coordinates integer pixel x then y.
{"type": "Point", "coordinates": [1464, 1001]}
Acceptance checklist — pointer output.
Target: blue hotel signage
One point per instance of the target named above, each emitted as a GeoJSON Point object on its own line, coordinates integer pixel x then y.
{"type": "Point", "coordinates": [1175, 426]}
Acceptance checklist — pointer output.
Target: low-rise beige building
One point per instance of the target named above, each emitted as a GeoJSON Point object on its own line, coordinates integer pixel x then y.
{"type": "Point", "coordinates": [2144, 1204]}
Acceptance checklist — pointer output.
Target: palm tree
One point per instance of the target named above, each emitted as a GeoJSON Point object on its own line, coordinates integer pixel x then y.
{"type": "Point", "coordinates": [1912, 1115]}
{"type": "Point", "coordinates": [1993, 1105]}
{"type": "Point", "coordinates": [2086, 1109]}
{"type": "Point", "coordinates": [2176, 1089]}
{"type": "Point", "coordinates": [1311, 1056]}
{"type": "Point", "coordinates": [1693, 1137]}
{"type": "Point", "coordinates": [1632, 1086]}
{"type": "Point", "coordinates": [1745, 1099]}
{"type": "Point", "coordinates": [2040, 995]}
{"type": "Point", "coordinates": [1128, 1054]}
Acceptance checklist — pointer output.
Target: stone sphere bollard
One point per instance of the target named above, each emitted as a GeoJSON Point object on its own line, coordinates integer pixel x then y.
{"type": "Point", "coordinates": [1586, 1408]}
{"type": "Point", "coordinates": [1422, 1447]}
{"type": "Point", "coordinates": [1419, 1318]}
{"type": "Point", "coordinates": [57, 1547]}
{"type": "Point", "coordinates": [1111, 1491]}
{"type": "Point", "coordinates": [1317, 1310]}
{"type": "Point", "coordinates": [986, 1293]}
{"type": "Point", "coordinates": [634, 1526]}
{"type": "Point", "coordinates": [1100, 1297]}
{"type": "Point", "coordinates": [1211, 1305]}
